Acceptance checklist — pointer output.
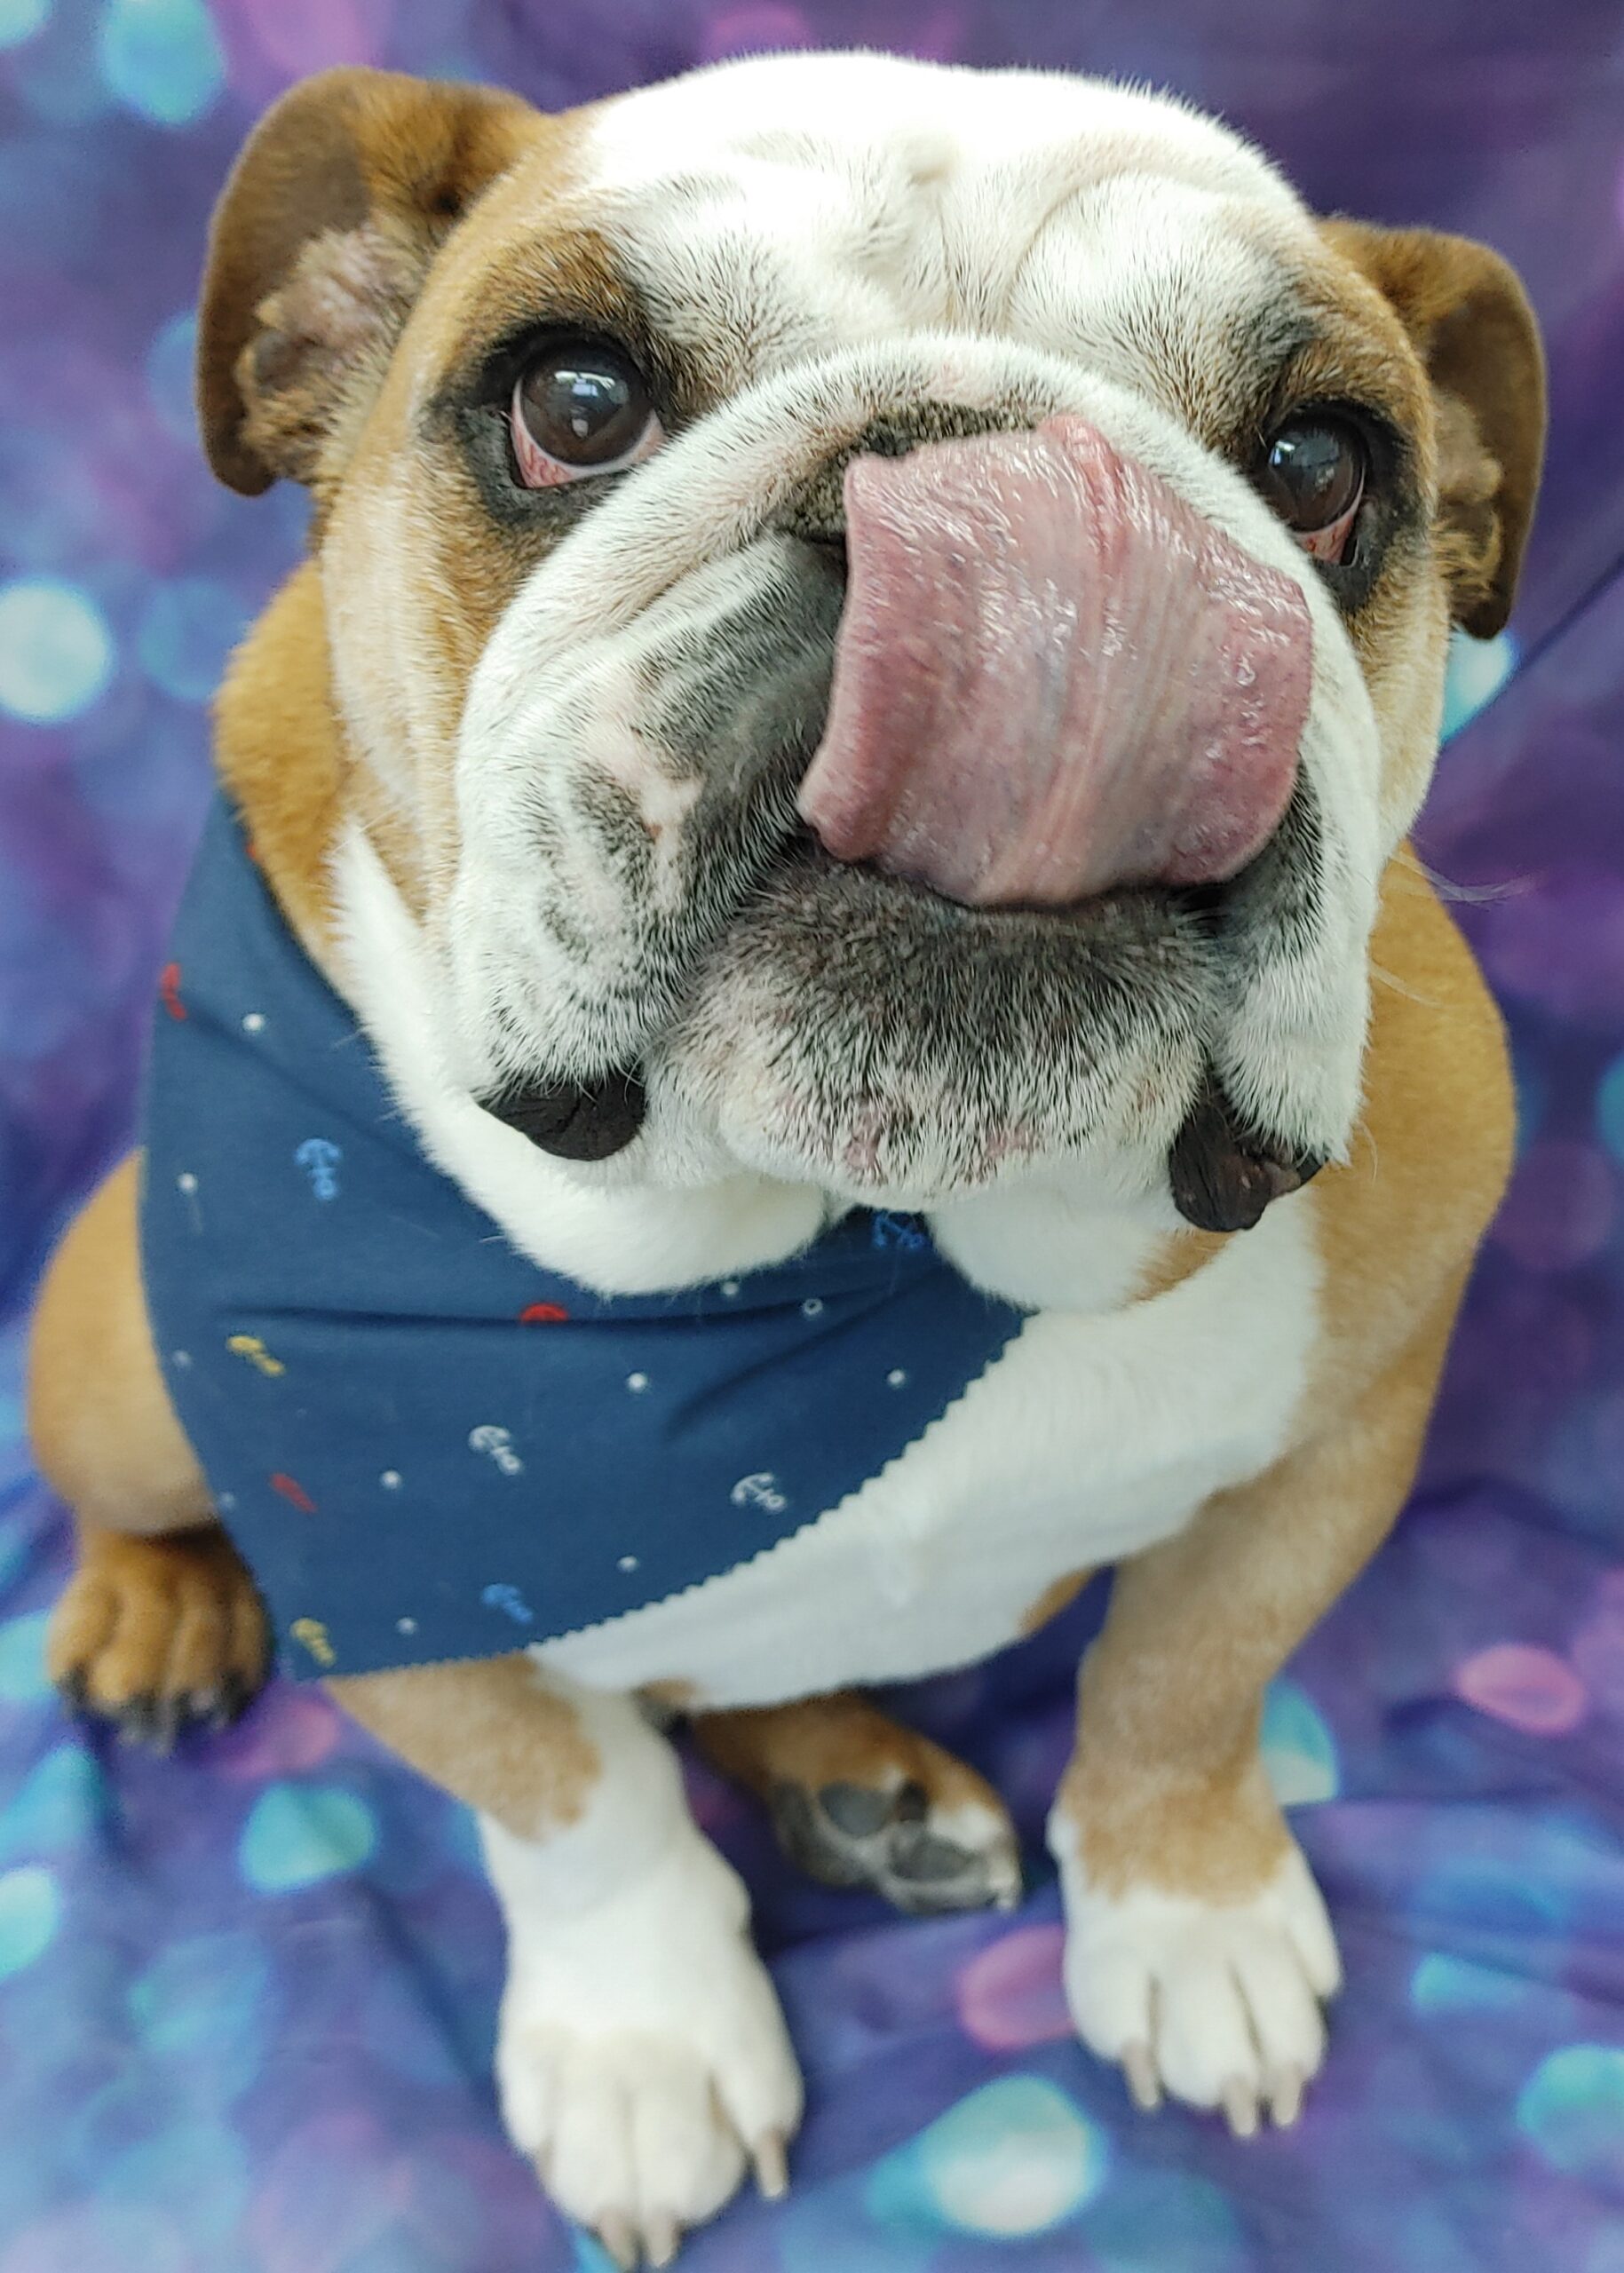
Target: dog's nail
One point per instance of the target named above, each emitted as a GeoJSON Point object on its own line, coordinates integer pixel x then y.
{"type": "Point", "coordinates": [1144, 2084]}
{"type": "Point", "coordinates": [1287, 2099]}
{"type": "Point", "coordinates": [661, 2235]}
{"type": "Point", "coordinates": [74, 1690]}
{"type": "Point", "coordinates": [235, 1694]}
{"type": "Point", "coordinates": [615, 2232]}
{"type": "Point", "coordinates": [137, 1719]}
{"type": "Point", "coordinates": [772, 2169]}
{"type": "Point", "coordinates": [1239, 2102]}
{"type": "Point", "coordinates": [168, 1716]}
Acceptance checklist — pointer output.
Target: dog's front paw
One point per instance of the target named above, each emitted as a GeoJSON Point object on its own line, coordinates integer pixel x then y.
{"type": "Point", "coordinates": [159, 1636]}
{"type": "Point", "coordinates": [642, 2059]}
{"type": "Point", "coordinates": [1216, 2003]}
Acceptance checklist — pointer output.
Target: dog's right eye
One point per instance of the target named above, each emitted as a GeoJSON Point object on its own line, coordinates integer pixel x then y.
{"type": "Point", "coordinates": [1313, 471]}
{"type": "Point", "coordinates": [580, 408]}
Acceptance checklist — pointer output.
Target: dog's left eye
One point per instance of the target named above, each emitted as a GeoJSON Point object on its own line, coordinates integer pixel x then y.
{"type": "Point", "coordinates": [1313, 471]}
{"type": "Point", "coordinates": [580, 408]}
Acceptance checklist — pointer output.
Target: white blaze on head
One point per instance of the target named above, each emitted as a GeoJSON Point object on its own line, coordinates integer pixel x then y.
{"type": "Point", "coordinates": [796, 204]}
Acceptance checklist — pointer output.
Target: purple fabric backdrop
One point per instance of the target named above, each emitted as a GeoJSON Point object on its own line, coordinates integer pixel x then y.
{"type": "Point", "coordinates": [246, 1996]}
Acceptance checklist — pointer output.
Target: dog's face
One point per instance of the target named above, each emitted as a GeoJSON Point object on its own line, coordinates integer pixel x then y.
{"type": "Point", "coordinates": [898, 614]}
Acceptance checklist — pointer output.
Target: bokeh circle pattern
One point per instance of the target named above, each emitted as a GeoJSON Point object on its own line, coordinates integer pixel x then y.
{"type": "Point", "coordinates": [1017, 2157]}
{"type": "Point", "coordinates": [23, 1676]}
{"type": "Point", "coordinates": [187, 632]}
{"type": "Point", "coordinates": [1526, 1687]}
{"type": "Point", "coordinates": [162, 59]}
{"type": "Point", "coordinates": [30, 1911]}
{"type": "Point", "coordinates": [170, 361]}
{"type": "Point", "coordinates": [19, 19]}
{"type": "Point", "coordinates": [56, 652]}
{"type": "Point", "coordinates": [1012, 1994]}
{"type": "Point", "coordinates": [1609, 1109]}
{"type": "Point", "coordinates": [298, 1834]}
{"type": "Point", "coordinates": [1476, 672]}
{"type": "Point", "coordinates": [1572, 2109]}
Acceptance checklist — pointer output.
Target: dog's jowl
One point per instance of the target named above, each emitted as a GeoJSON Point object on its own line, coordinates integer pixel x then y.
{"type": "Point", "coordinates": [772, 1056]}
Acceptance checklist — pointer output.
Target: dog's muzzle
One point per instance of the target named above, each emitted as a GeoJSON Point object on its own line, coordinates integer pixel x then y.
{"type": "Point", "coordinates": [1053, 679]}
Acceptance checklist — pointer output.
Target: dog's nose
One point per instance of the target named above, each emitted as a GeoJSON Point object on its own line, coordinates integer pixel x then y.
{"type": "Point", "coordinates": [818, 511]}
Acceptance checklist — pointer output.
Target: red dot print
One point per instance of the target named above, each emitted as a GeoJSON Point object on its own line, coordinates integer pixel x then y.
{"type": "Point", "coordinates": [543, 1314]}
{"type": "Point", "coordinates": [168, 987]}
{"type": "Point", "coordinates": [296, 1491]}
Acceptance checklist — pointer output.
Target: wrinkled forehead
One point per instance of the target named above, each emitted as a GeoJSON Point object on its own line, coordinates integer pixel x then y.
{"type": "Point", "coordinates": [796, 202]}
{"type": "Point", "coordinates": [870, 132]}
{"type": "Point", "coordinates": [754, 215]}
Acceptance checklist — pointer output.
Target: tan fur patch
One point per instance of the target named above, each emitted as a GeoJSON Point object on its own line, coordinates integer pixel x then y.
{"type": "Point", "coordinates": [837, 1739]}
{"type": "Point", "coordinates": [1054, 1598]}
{"type": "Point", "coordinates": [485, 1730]}
{"type": "Point", "coordinates": [1432, 1149]}
{"type": "Point", "coordinates": [103, 1429]}
{"type": "Point", "coordinates": [280, 754]}
{"type": "Point", "coordinates": [1179, 1256]}
{"type": "Point", "coordinates": [1166, 1787]}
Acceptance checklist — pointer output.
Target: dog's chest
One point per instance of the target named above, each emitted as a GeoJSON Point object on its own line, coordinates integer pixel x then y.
{"type": "Point", "coordinates": [1091, 1438]}
{"type": "Point", "coordinates": [1096, 1432]}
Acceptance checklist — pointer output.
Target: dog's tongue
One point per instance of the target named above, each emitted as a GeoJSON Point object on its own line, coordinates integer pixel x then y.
{"type": "Point", "coordinates": [1053, 675]}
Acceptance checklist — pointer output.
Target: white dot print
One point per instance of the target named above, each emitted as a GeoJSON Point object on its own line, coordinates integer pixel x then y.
{"type": "Point", "coordinates": [227, 1502]}
{"type": "Point", "coordinates": [627, 1563]}
{"type": "Point", "coordinates": [637, 1380]}
{"type": "Point", "coordinates": [391, 1479]}
{"type": "Point", "coordinates": [181, 1357]}
{"type": "Point", "coordinates": [896, 1377]}
{"type": "Point", "coordinates": [811, 1307]}
{"type": "Point", "coordinates": [406, 1626]}
{"type": "Point", "coordinates": [185, 1181]}
{"type": "Point", "coordinates": [730, 1287]}
{"type": "Point", "coordinates": [254, 1023]}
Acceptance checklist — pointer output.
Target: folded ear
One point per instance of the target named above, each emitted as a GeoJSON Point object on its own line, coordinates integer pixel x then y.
{"type": "Point", "coordinates": [319, 244]}
{"type": "Point", "coordinates": [1467, 312]}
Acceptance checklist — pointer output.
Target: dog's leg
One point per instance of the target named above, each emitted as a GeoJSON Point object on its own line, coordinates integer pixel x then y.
{"type": "Point", "coordinates": [642, 2059]}
{"type": "Point", "coordinates": [1198, 1948]}
{"type": "Point", "coordinates": [159, 1625]}
{"type": "Point", "coordinates": [857, 1800]}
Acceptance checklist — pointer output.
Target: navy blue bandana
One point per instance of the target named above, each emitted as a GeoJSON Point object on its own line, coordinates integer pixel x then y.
{"type": "Point", "coordinates": [423, 1446]}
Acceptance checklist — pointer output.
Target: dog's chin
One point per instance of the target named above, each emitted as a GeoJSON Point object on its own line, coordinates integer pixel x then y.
{"type": "Point", "coordinates": [899, 1049]}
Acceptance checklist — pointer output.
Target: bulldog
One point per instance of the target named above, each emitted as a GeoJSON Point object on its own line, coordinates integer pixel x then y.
{"type": "Point", "coordinates": [824, 822]}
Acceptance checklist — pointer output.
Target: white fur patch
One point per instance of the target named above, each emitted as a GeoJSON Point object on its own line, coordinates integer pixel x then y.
{"type": "Point", "coordinates": [641, 2056]}
{"type": "Point", "coordinates": [1218, 2003]}
{"type": "Point", "coordinates": [610, 1229]}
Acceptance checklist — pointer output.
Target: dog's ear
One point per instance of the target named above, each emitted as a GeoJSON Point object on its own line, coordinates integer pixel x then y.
{"type": "Point", "coordinates": [319, 246]}
{"type": "Point", "coordinates": [1469, 317]}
